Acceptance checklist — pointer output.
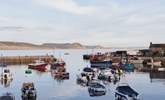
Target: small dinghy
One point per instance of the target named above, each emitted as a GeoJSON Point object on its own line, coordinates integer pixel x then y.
{"type": "Point", "coordinates": [28, 91]}
{"type": "Point", "coordinates": [28, 71]}
{"type": "Point", "coordinates": [125, 92]}
{"type": "Point", "coordinates": [96, 89]}
{"type": "Point", "coordinates": [7, 96]}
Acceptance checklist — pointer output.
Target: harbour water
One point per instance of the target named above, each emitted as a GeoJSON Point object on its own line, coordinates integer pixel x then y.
{"type": "Point", "coordinates": [49, 88]}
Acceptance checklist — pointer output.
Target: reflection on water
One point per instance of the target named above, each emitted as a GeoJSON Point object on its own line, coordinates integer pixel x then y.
{"type": "Point", "coordinates": [5, 82]}
{"type": "Point", "coordinates": [156, 76]}
{"type": "Point", "coordinates": [48, 87]}
{"type": "Point", "coordinates": [59, 76]}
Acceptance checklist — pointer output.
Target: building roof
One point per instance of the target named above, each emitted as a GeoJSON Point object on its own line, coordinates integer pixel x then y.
{"type": "Point", "coordinates": [157, 45]}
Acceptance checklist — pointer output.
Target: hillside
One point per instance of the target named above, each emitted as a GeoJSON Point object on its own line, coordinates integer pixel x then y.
{"type": "Point", "coordinates": [5, 45]}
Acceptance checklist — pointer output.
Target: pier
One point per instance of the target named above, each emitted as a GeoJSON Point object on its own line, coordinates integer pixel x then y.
{"type": "Point", "coordinates": [12, 60]}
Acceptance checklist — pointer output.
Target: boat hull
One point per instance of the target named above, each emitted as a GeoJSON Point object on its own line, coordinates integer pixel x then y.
{"type": "Point", "coordinates": [39, 67]}
{"type": "Point", "coordinates": [101, 64]}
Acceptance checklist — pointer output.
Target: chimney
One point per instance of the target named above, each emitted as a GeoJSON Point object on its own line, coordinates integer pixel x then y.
{"type": "Point", "coordinates": [150, 44]}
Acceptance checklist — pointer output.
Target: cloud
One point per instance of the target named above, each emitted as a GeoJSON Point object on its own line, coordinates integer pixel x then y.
{"type": "Point", "coordinates": [70, 6]}
{"type": "Point", "coordinates": [88, 21]}
{"type": "Point", "coordinates": [11, 28]}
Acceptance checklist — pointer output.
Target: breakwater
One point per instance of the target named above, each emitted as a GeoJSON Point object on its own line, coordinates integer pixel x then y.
{"type": "Point", "coordinates": [9, 60]}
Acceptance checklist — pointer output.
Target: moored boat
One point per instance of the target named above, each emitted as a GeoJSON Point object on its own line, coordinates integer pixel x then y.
{"type": "Point", "coordinates": [84, 78]}
{"type": "Point", "coordinates": [58, 63]}
{"type": "Point", "coordinates": [28, 91]}
{"type": "Point", "coordinates": [60, 73]}
{"type": "Point", "coordinates": [106, 75]}
{"type": "Point", "coordinates": [96, 89]}
{"type": "Point", "coordinates": [38, 65]}
{"type": "Point", "coordinates": [6, 75]}
{"type": "Point", "coordinates": [127, 66]}
{"type": "Point", "coordinates": [101, 64]}
{"type": "Point", "coordinates": [125, 92]}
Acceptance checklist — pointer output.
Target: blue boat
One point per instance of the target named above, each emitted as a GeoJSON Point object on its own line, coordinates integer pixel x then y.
{"type": "Point", "coordinates": [101, 64]}
{"type": "Point", "coordinates": [129, 66]}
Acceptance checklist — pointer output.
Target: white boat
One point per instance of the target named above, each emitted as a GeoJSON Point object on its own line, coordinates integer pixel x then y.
{"type": "Point", "coordinates": [125, 92]}
{"type": "Point", "coordinates": [106, 75]}
{"type": "Point", "coordinates": [82, 79]}
{"type": "Point", "coordinates": [96, 89]}
{"type": "Point", "coordinates": [6, 75]}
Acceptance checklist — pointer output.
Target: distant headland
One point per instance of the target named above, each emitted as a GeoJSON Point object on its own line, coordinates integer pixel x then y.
{"type": "Point", "coordinates": [9, 45]}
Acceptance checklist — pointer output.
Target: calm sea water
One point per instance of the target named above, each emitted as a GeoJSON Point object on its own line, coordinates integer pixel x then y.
{"type": "Point", "coordinates": [50, 89]}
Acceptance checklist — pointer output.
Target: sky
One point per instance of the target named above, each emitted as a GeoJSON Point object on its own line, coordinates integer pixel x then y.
{"type": "Point", "coordinates": [113, 23]}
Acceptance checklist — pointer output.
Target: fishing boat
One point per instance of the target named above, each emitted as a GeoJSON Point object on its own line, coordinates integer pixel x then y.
{"type": "Point", "coordinates": [7, 96]}
{"type": "Point", "coordinates": [101, 64]}
{"type": "Point", "coordinates": [38, 65]}
{"type": "Point", "coordinates": [28, 91]}
{"type": "Point", "coordinates": [6, 75]}
{"type": "Point", "coordinates": [96, 89]}
{"type": "Point", "coordinates": [125, 92]}
{"type": "Point", "coordinates": [58, 63]}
